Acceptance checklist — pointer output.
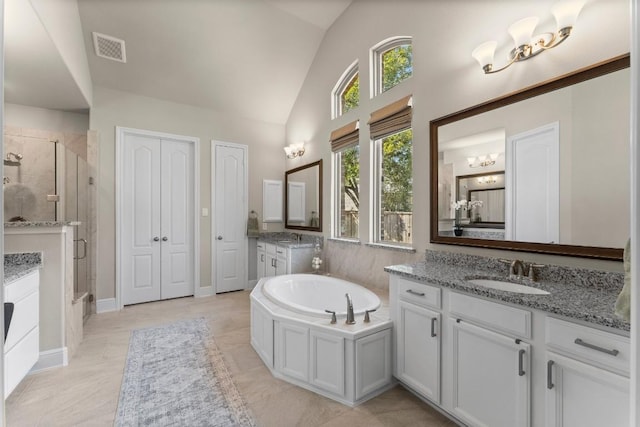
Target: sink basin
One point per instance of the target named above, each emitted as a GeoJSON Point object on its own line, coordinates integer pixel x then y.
{"type": "Point", "coordinates": [508, 286]}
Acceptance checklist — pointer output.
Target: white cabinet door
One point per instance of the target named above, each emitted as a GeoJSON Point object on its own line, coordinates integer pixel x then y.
{"type": "Point", "coordinates": [261, 263]}
{"type": "Point", "coordinates": [281, 261]}
{"type": "Point", "coordinates": [262, 334]}
{"type": "Point", "coordinates": [491, 377]}
{"type": "Point", "coordinates": [373, 363]}
{"type": "Point", "coordinates": [294, 351]}
{"type": "Point", "coordinates": [580, 395]}
{"type": "Point", "coordinates": [418, 349]}
{"type": "Point", "coordinates": [270, 266]}
{"type": "Point", "coordinates": [327, 362]}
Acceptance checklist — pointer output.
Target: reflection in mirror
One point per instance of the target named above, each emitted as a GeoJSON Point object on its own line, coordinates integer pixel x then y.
{"type": "Point", "coordinates": [303, 197]}
{"type": "Point", "coordinates": [558, 154]}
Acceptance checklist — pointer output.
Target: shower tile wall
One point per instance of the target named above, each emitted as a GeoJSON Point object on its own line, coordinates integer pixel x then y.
{"type": "Point", "coordinates": [27, 185]}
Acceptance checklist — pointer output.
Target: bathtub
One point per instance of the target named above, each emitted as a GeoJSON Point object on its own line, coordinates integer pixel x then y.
{"type": "Point", "coordinates": [297, 342]}
{"type": "Point", "coordinates": [312, 294]}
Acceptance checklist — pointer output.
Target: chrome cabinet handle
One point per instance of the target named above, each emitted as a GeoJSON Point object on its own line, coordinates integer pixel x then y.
{"type": "Point", "coordinates": [595, 347]}
{"type": "Point", "coordinates": [219, 237]}
{"type": "Point", "coordinates": [261, 257]}
{"type": "Point", "coordinates": [521, 371]}
{"type": "Point", "coordinates": [84, 253]}
{"type": "Point", "coordinates": [165, 238]}
{"type": "Point", "coordinates": [156, 239]}
{"type": "Point", "coordinates": [412, 292]}
{"type": "Point", "coordinates": [433, 327]}
{"type": "Point", "coordinates": [549, 376]}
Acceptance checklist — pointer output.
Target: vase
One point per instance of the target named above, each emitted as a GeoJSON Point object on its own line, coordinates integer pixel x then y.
{"type": "Point", "coordinates": [457, 231]}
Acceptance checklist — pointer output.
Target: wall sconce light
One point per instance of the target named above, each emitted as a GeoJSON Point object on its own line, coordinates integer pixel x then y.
{"type": "Point", "coordinates": [527, 46]}
{"type": "Point", "coordinates": [483, 161]}
{"type": "Point", "coordinates": [294, 150]}
{"type": "Point", "coordinates": [487, 180]}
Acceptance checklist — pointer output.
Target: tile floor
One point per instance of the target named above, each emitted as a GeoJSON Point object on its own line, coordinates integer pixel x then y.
{"type": "Point", "coordinates": [86, 392]}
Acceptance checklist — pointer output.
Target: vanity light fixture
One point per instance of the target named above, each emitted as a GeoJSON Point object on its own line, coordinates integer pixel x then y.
{"type": "Point", "coordinates": [294, 150]}
{"type": "Point", "coordinates": [487, 180]}
{"type": "Point", "coordinates": [483, 161]}
{"type": "Point", "coordinates": [526, 45]}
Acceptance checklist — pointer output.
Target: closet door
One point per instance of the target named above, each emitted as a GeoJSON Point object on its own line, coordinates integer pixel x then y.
{"type": "Point", "coordinates": [140, 222]}
{"type": "Point", "coordinates": [176, 213]}
{"type": "Point", "coordinates": [156, 217]}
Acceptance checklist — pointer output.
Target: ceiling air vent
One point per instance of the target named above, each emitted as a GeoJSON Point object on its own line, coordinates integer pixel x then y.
{"type": "Point", "coordinates": [109, 47]}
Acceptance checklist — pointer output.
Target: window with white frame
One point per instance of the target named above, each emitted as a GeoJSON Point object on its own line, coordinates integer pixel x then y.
{"type": "Point", "coordinates": [392, 174]}
{"type": "Point", "coordinates": [392, 63]}
{"type": "Point", "coordinates": [346, 169]}
{"type": "Point", "coordinates": [346, 94]}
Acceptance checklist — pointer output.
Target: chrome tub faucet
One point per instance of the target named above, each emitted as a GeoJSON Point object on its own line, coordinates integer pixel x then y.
{"type": "Point", "coordinates": [350, 317]}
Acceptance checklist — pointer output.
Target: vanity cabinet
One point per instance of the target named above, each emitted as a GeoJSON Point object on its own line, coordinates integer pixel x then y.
{"type": "Point", "coordinates": [587, 380]}
{"type": "Point", "coordinates": [22, 348]}
{"type": "Point", "coordinates": [491, 377]}
{"type": "Point", "coordinates": [275, 260]}
{"type": "Point", "coordinates": [496, 364]}
{"type": "Point", "coordinates": [418, 337]}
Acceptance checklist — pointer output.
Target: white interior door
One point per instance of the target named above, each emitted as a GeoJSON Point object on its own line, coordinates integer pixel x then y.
{"type": "Point", "coordinates": [532, 172]}
{"type": "Point", "coordinates": [156, 216]}
{"type": "Point", "coordinates": [177, 201]}
{"type": "Point", "coordinates": [230, 206]}
{"type": "Point", "coordinates": [140, 237]}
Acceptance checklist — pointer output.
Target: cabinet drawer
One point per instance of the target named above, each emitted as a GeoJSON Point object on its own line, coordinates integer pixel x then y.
{"type": "Point", "coordinates": [20, 359]}
{"type": "Point", "coordinates": [270, 248]}
{"type": "Point", "coordinates": [15, 291]}
{"type": "Point", "coordinates": [419, 293]}
{"type": "Point", "coordinates": [601, 348]}
{"type": "Point", "coordinates": [499, 317]}
{"type": "Point", "coordinates": [25, 318]}
{"type": "Point", "coordinates": [260, 246]}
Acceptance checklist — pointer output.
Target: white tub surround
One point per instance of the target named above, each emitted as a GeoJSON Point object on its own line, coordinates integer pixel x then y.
{"type": "Point", "coordinates": [60, 314]}
{"type": "Point", "coordinates": [346, 363]}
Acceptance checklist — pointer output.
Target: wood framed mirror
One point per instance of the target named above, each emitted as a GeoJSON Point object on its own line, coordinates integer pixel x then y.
{"type": "Point", "coordinates": [563, 147]}
{"type": "Point", "coordinates": [303, 197]}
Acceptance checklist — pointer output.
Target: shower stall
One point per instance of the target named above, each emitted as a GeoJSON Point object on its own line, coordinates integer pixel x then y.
{"type": "Point", "coordinates": [48, 180]}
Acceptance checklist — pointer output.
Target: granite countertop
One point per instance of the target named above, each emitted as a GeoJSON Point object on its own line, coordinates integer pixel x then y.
{"type": "Point", "coordinates": [18, 224]}
{"type": "Point", "coordinates": [571, 295]}
{"type": "Point", "coordinates": [286, 240]}
{"type": "Point", "coordinates": [20, 264]}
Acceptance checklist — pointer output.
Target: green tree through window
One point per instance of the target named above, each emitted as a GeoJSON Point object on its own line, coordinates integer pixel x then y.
{"type": "Point", "coordinates": [350, 97]}
{"type": "Point", "coordinates": [397, 66]}
{"type": "Point", "coordinates": [396, 188]}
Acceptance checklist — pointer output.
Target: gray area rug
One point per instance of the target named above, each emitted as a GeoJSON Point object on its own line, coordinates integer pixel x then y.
{"type": "Point", "coordinates": [175, 376]}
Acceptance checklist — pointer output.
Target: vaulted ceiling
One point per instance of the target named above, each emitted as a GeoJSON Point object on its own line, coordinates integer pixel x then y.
{"type": "Point", "coordinates": [248, 58]}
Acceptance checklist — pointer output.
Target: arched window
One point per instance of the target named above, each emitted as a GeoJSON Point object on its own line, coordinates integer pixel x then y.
{"type": "Point", "coordinates": [346, 94]}
{"type": "Point", "coordinates": [392, 63]}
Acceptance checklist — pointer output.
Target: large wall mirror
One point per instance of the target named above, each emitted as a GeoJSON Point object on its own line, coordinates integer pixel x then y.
{"type": "Point", "coordinates": [544, 169]}
{"type": "Point", "coordinates": [303, 197]}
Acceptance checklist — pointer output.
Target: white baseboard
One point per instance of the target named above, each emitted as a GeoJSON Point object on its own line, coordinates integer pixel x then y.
{"type": "Point", "coordinates": [205, 291]}
{"type": "Point", "coordinates": [51, 359]}
{"type": "Point", "coordinates": [105, 305]}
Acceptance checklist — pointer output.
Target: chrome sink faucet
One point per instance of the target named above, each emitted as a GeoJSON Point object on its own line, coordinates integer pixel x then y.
{"type": "Point", "coordinates": [350, 317]}
{"type": "Point", "coordinates": [518, 269]}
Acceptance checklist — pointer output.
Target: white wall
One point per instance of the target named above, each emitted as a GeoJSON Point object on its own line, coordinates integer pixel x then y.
{"type": "Point", "coordinates": [61, 19]}
{"type": "Point", "coordinates": [45, 119]}
{"type": "Point", "coordinates": [114, 108]}
{"type": "Point", "coordinates": [446, 79]}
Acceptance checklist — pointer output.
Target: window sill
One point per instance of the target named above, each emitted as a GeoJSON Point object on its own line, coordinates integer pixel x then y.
{"type": "Point", "coordinates": [345, 241]}
{"type": "Point", "coordinates": [407, 249]}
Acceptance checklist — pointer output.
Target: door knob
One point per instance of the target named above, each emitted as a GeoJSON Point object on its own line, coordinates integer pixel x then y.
{"type": "Point", "coordinates": [156, 239]}
{"type": "Point", "coordinates": [164, 239]}
{"type": "Point", "coordinates": [219, 237]}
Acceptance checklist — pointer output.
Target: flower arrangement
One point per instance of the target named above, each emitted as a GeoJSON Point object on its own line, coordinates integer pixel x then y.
{"type": "Point", "coordinates": [463, 205]}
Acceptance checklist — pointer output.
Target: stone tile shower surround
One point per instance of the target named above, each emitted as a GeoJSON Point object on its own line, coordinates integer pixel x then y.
{"type": "Point", "coordinates": [31, 182]}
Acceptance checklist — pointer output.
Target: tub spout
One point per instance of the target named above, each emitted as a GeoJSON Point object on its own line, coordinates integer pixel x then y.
{"type": "Point", "coordinates": [350, 317]}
